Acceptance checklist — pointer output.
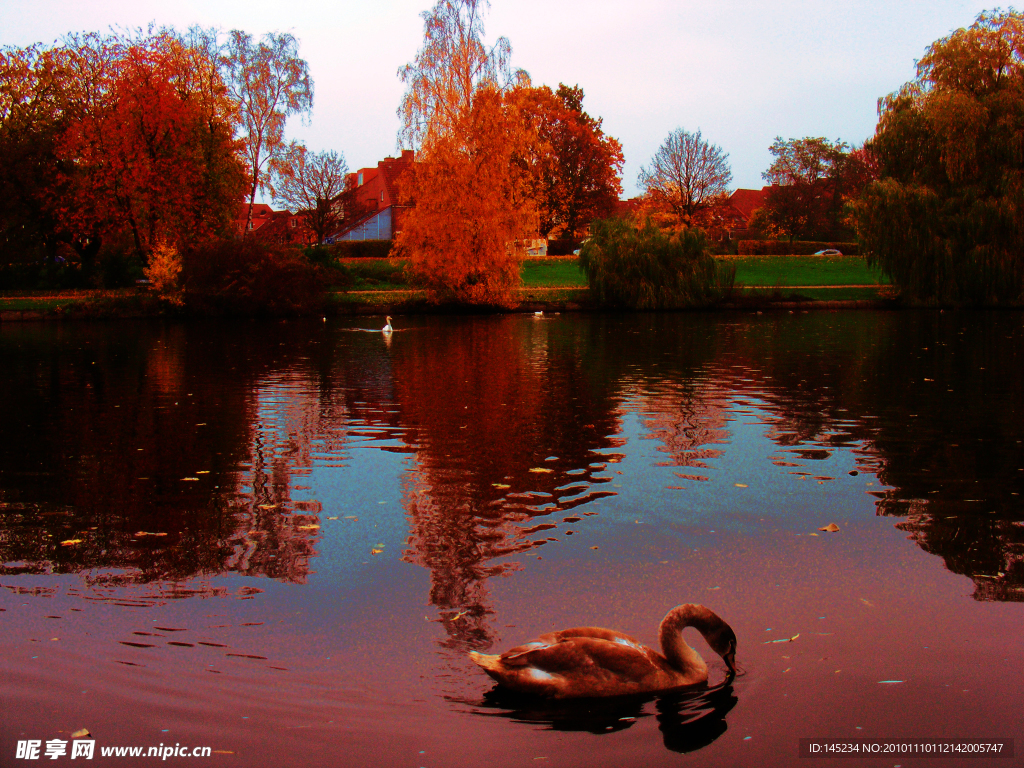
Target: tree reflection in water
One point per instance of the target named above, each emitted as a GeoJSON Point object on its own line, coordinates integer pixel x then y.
{"type": "Point", "coordinates": [195, 436]}
{"type": "Point", "coordinates": [508, 430]}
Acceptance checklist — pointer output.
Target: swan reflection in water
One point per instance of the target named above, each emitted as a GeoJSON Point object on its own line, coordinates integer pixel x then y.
{"type": "Point", "coordinates": [688, 720]}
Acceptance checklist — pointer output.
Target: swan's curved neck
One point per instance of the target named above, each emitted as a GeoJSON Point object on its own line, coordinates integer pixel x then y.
{"type": "Point", "coordinates": [679, 654]}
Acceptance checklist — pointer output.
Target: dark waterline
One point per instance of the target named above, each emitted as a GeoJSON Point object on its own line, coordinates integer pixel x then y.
{"type": "Point", "coordinates": [279, 540]}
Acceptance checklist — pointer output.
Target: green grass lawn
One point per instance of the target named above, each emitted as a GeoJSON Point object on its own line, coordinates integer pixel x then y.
{"type": "Point", "coordinates": [552, 273]}
{"type": "Point", "coordinates": [804, 270]}
{"type": "Point", "coordinates": [750, 270]}
{"type": "Point", "coordinates": [376, 274]}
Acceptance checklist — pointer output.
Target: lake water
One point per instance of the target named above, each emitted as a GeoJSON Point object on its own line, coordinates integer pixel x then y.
{"type": "Point", "coordinates": [280, 539]}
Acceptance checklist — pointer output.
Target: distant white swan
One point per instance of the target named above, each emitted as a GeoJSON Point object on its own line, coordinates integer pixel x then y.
{"type": "Point", "coordinates": [387, 327]}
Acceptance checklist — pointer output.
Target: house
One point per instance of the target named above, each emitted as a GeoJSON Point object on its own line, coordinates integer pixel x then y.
{"type": "Point", "coordinates": [376, 200]}
{"type": "Point", "coordinates": [739, 208]}
{"type": "Point", "coordinates": [270, 225]}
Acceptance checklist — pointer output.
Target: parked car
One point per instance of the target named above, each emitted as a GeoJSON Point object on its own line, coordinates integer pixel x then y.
{"type": "Point", "coordinates": [828, 252]}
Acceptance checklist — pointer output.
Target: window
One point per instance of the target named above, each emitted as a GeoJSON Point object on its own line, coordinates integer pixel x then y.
{"type": "Point", "coordinates": [360, 179]}
{"type": "Point", "coordinates": [382, 196]}
{"type": "Point", "coordinates": [293, 223]}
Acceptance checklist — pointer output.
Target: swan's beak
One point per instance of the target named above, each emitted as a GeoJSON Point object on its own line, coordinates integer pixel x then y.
{"type": "Point", "coordinates": [730, 661]}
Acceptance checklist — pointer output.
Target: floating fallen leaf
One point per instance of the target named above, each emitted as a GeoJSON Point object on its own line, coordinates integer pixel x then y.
{"type": "Point", "coordinates": [82, 733]}
{"type": "Point", "coordinates": [71, 542]}
{"type": "Point", "coordinates": [782, 640]}
{"type": "Point", "coordinates": [503, 485]}
{"type": "Point", "coordinates": [376, 551]}
{"type": "Point", "coordinates": [190, 479]}
{"type": "Point", "coordinates": [351, 517]}
{"type": "Point", "coordinates": [741, 485]}
{"type": "Point", "coordinates": [332, 518]}
{"type": "Point", "coordinates": [148, 533]}
{"type": "Point", "coordinates": [593, 547]}
{"type": "Point", "coordinates": [308, 527]}
{"type": "Point", "coordinates": [831, 528]}
{"type": "Point", "coordinates": [203, 472]}
{"type": "Point", "coordinates": [541, 469]}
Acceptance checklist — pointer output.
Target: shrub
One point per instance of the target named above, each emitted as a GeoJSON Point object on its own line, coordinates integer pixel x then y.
{"type": "Point", "coordinates": [249, 277]}
{"type": "Point", "coordinates": [118, 268]}
{"type": "Point", "coordinates": [565, 246]}
{"type": "Point", "coordinates": [794, 248]}
{"type": "Point", "coordinates": [645, 268]}
{"type": "Point", "coordinates": [164, 269]}
{"type": "Point", "coordinates": [359, 249]}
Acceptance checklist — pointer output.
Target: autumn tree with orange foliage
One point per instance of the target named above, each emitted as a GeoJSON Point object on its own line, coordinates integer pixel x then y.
{"type": "Point", "coordinates": [472, 202]}
{"type": "Point", "coordinates": [33, 115]}
{"type": "Point", "coordinates": [578, 168]}
{"type": "Point", "coordinates": [153, 156]}
{"type": "Point", "coordinates": [470, 187]}
{"type": "Point", "coordinates": [121, 142]}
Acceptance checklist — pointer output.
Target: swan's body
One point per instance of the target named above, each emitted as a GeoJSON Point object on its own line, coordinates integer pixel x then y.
{"type": "Point", "coordinates": [591, 661]}
{"type": "Point", "coordinates": [387, 326]}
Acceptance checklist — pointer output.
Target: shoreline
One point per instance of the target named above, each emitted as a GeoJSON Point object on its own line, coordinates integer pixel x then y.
{"type": "Point", "coordinates": [134, 305]}
{"type": "Point", "coordinates": [149, 307]}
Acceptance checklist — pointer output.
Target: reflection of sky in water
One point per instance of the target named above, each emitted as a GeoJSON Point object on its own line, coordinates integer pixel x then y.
{"type": "Point", "coordinates": [368, 487]}
{"type": "Point", "coordinates": [776, 497]}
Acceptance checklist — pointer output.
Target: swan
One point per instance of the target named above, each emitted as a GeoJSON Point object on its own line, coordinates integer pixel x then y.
{"type": "Point", "coordinates": [591, 661]}
{"type": "Point", "coordinates": [387, 326]}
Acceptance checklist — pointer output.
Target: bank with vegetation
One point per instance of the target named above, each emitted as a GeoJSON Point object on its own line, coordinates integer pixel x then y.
{"type": "Point", "coordinates": [379, 285]}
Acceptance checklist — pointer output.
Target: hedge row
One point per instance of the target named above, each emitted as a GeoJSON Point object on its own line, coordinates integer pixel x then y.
{"type": "Point", "coordinates": [565, 246]}
{"type": "Point", "coordinates": [795, 248]}
{"type": "Point", "coordinates": [361, 249]}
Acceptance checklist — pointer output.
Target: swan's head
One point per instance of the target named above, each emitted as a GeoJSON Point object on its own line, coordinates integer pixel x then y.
{"type": "Point", "coordinates": [727, 649]}
{"type": "Point", "coordinates": [723, 642]}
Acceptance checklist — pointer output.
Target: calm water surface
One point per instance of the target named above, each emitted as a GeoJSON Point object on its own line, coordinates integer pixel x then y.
{"type": "Point", "coordinates": [279, 540]}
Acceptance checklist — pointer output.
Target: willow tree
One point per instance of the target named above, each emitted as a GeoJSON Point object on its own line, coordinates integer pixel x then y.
{"type": "Point", "coordinates": [945, 220]}
{"type": "Point", "coordinates": [461, 110]}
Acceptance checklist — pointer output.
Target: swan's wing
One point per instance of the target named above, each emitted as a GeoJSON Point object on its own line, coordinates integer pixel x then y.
{"type": "Point", "coordinates": [585, 656]}
{"type": "Point", "coordinates": [599, 633]}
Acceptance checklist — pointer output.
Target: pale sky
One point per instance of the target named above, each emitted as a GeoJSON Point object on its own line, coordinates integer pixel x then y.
{"type": "Point", "coordinates": [740, 72]}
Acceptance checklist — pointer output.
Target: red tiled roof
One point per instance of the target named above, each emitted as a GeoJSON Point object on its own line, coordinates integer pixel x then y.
{"type": "Point", "coordinates": [746, 201]}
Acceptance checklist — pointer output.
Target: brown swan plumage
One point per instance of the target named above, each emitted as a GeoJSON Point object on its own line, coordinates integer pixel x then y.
{"type": "Point", "coordinates": [592, 661]}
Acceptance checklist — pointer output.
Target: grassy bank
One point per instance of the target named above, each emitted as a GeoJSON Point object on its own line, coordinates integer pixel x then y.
{"type": "Point", "coordinates": [804, 270]}
{"type": "Point", "coordinates": [381, 285]}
